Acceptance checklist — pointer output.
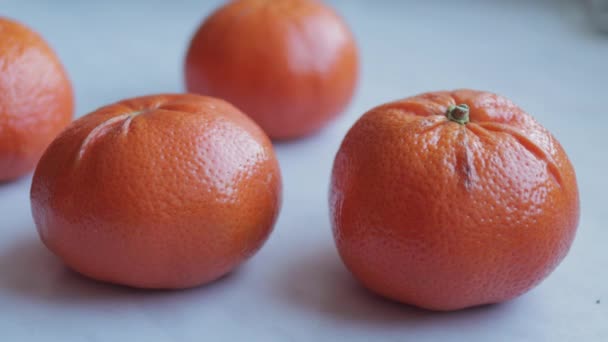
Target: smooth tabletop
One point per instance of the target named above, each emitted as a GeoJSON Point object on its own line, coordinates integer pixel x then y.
{"type": "Point", "coordinates": [544, 55]}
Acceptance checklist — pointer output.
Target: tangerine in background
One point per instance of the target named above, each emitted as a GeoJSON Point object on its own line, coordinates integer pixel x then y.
{"type": "Point", "coordinates": [163, 192]}
{"type": "Point", "coordinates": [448, 200]}
{"type": "Point", "coordinates": [292, 65]}
{"type": "Point", "coordinates": [36, 99]}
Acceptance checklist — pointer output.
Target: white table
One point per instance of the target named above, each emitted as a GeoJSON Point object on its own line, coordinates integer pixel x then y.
{"type": "Point", "coordinates": [541, 54]}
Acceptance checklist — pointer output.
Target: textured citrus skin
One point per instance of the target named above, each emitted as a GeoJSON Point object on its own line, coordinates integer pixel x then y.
{"type": "Point", "coordinates": [446, 216]}
{"type": "Point", "coordinates": [165, 191]}
{"type": "Point", "coordinates": [36, 99]}
{"type": "Point", "coordinates": [292, 65]}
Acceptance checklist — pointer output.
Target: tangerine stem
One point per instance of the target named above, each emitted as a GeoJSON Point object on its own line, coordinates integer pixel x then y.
{"type": "Point", "coordinates": [458, 114]}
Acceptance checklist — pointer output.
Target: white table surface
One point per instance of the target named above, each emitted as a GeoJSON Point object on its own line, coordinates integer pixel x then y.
{"type": "Point", "coordinates": [541, 54]}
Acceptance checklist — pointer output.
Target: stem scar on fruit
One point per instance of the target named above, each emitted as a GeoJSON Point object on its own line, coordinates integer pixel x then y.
{"type": "Point", "coordinates": [458, 113]}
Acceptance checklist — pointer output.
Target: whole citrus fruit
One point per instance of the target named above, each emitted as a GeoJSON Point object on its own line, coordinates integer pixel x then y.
{"type": "Point", "coordinates": [36, 99]}
{"type": "Point", "coordinates": [291, 65]}
{"type": "Point", "coordinates": [166, 191]}
{"type": "Point", "coordinates": [448, 200]}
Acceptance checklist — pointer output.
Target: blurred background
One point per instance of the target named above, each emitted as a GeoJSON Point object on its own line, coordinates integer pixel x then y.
{"type": "Point", "coordinates": [548, 56]}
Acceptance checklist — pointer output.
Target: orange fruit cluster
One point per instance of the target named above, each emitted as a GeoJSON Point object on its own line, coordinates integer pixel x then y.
{"type": "Point", "coordinates": [443, 200]}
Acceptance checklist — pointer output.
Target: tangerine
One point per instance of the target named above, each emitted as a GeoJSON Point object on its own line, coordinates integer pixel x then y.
{"type": "Point", "coordinates": [292, 65]}
{"type": "Point", "coordinates": [36, 98]}
{"type": "Point", "coordinates": [163, 191]}
{"type": "Point", "coordinates": [448, 200]}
